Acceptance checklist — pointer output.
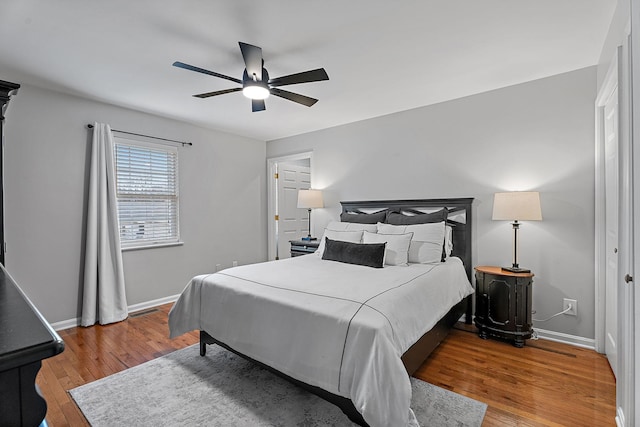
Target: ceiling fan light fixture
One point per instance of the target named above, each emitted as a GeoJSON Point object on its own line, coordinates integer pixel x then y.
{"type": "Point", "coordinates": [256, 90]}
{"type": "Point", "coordinates": [256, 84]}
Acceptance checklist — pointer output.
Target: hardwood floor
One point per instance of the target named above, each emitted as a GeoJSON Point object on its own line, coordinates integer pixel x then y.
{"type": "Point", "coordinates": [543, 384]}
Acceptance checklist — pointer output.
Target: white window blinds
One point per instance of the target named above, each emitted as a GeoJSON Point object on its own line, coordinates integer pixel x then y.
{"type": "Point", "coordinates": [147, 193]}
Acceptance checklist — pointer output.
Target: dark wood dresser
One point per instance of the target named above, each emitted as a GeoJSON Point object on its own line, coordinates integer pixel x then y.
{"type": "Point", "coordinates": [503, 304]}
{"type": "Point", "coordinates": [25, 339]}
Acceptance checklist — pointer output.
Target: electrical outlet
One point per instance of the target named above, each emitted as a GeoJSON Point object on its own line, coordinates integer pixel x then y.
{"type": "Point", "coordinates": [574, 306]}
{"type": "Point", "coordinates": [218, 267]}
{"type": "Point", "coordinates": [235, 263]}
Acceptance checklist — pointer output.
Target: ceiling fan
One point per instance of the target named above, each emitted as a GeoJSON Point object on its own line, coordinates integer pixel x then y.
{"type": "Point", "coordinates": [256, 83]}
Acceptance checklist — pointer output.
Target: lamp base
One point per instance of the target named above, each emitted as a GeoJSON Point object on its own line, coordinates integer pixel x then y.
{"type": "Point", "coordinates": [308, 238]}
{"type": "Point", "coordinates": [516, 269]}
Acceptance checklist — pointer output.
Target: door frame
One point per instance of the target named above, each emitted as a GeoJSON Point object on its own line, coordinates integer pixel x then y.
{"type": "Point", "coordinates": [620, 71]}
{"type": "Point", "coordinates": [610, 84]}
{"type": "Point", "coordinates": [272, 195]}
{"type": "Point", "coordinates": [633, 410]}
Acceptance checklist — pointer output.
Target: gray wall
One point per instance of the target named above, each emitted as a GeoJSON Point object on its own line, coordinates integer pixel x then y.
{"type": "Point", "coordinates": [222, 200]}
{"type": "Point", "coordinates": [533, 136]}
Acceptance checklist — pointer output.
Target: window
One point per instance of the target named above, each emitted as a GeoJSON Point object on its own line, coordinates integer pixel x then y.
{"type": "Point", "coordinates": [147, 193]}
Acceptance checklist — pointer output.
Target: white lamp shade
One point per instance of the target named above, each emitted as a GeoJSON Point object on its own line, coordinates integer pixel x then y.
{"type": "Point", "coordinates": [310, 199]}
{"type": "Point", "coordinates": [517, 205]}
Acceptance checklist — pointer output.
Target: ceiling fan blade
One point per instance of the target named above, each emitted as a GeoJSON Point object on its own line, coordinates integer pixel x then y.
{"type": "Point", "coordinates": [252, 56]}
{"type": "Point", "coordinates": [303, 77]}
{"type": "Point", "coordinates": [295, 97]}
{"type": "Point", "coordinates": [257, 105]}
{"type": "Point", "coordinates": [203, 71]}
{"type": "Point", "coordinates": [218, 92]}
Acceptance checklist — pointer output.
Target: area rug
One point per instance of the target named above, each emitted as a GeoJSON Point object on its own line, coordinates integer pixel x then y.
{"type": "Point", "coordinates": [223, 389]}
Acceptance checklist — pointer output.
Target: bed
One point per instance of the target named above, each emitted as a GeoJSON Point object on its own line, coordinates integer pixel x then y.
{"type": "Point", "coordinates": [347, 332]}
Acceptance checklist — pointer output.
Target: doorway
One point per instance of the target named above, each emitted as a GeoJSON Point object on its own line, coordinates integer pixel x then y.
{"type": "Point", "coordinates": [614, 246]}
{"type": "Point", "coordinates": [286, 222]}
{"type": "Point", "coordinates": [607, 215]}
{"type": "Point", "coordinates": [611, 189]}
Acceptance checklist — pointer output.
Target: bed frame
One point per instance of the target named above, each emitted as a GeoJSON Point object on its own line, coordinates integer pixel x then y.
{"type": "Point", "coordinates": [460, 218]}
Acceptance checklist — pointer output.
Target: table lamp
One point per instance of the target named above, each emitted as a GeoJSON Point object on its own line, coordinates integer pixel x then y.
{"type": "Point", "coordinates": [310, 199]}
{"type": "Point", "coordinates": [516, 206]}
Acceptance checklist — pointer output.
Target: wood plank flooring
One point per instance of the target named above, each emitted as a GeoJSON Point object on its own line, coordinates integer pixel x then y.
{"type": "Point", "coordinates": [543, 384]}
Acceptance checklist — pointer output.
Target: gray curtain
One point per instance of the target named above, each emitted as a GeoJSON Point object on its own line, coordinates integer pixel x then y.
{"type": "Point", "coordinates": [104, 298]}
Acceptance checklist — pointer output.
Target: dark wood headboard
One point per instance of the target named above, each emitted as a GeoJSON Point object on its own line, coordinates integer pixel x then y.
{"type": "Point", "coordinates": [460, 218]}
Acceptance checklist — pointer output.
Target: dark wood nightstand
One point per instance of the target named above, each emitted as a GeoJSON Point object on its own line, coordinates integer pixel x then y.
{"type": "Point", "coordinates": [503, 304]}
{"type": "Point", "coordinates": [303, 247]}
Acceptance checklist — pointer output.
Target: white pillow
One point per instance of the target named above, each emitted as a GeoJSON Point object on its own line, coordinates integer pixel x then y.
{"type": "Point", "coordinates": [345, 236]}
{"type": "Point", "coordinates": [427, 241]}
{"type": "Point", "coordinates": [351, 226]}
{"type": "Point", "coordinates": [448, 243]}
{"type": "Point", "coordinates": [397, 249]}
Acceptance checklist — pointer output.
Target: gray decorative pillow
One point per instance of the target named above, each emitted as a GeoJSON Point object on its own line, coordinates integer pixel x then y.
{"type": "Point", "coordinates": [363, 218]}
{"type": "Point", "coordinates": [398, 218]}
{"type": "Point", "coordinates": [367, 254]}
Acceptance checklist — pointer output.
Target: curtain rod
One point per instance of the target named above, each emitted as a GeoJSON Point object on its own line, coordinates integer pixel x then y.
{"type": "Point", "coordinates": [90, 126]}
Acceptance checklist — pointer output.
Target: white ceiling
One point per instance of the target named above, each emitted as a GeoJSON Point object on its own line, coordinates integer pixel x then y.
{"type": "Point", "coordinates": [381, 56]}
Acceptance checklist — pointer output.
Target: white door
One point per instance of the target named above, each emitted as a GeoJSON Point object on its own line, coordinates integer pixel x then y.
{"type": "Point", "coordinates": [293, 223]}
{"type": "Point", "coordinates": [631, 397]}
{"type": "Point", "coordinates": [611, 227]}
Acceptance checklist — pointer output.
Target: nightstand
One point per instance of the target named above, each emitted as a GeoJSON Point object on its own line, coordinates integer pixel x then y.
{"type": "Point", "coordinates": [303, 247]}
{"type": "Point", "coordinates": [503, 304]}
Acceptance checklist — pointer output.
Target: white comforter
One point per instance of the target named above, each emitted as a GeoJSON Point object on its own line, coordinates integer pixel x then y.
{"type": "Point", "coordinates": [337, 326]}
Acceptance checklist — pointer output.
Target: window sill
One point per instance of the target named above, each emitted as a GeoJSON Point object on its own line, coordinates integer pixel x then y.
{"type": "Point", "coordinates": [151, 246]}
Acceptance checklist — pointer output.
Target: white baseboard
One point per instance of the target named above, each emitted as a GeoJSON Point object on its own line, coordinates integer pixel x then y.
{"type": "Point", "coordinates": [620, 417]}
{"type": "Point", "coordinates": [560, 337]}
{"type": "Point", "coordinates": [150, 304]}
{"type": "Point", "coordinates": [72, 323]}
{"type": "Point", "coordinates": [588, 343]}
{"type": "Point", "coordinates": [577, 341]}
{"type": "Point", "coordinates": [66, 324]}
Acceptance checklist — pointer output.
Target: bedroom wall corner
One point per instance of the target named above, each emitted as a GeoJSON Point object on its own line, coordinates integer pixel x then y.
{"type": "Point", "coordinates": [619, 28]}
